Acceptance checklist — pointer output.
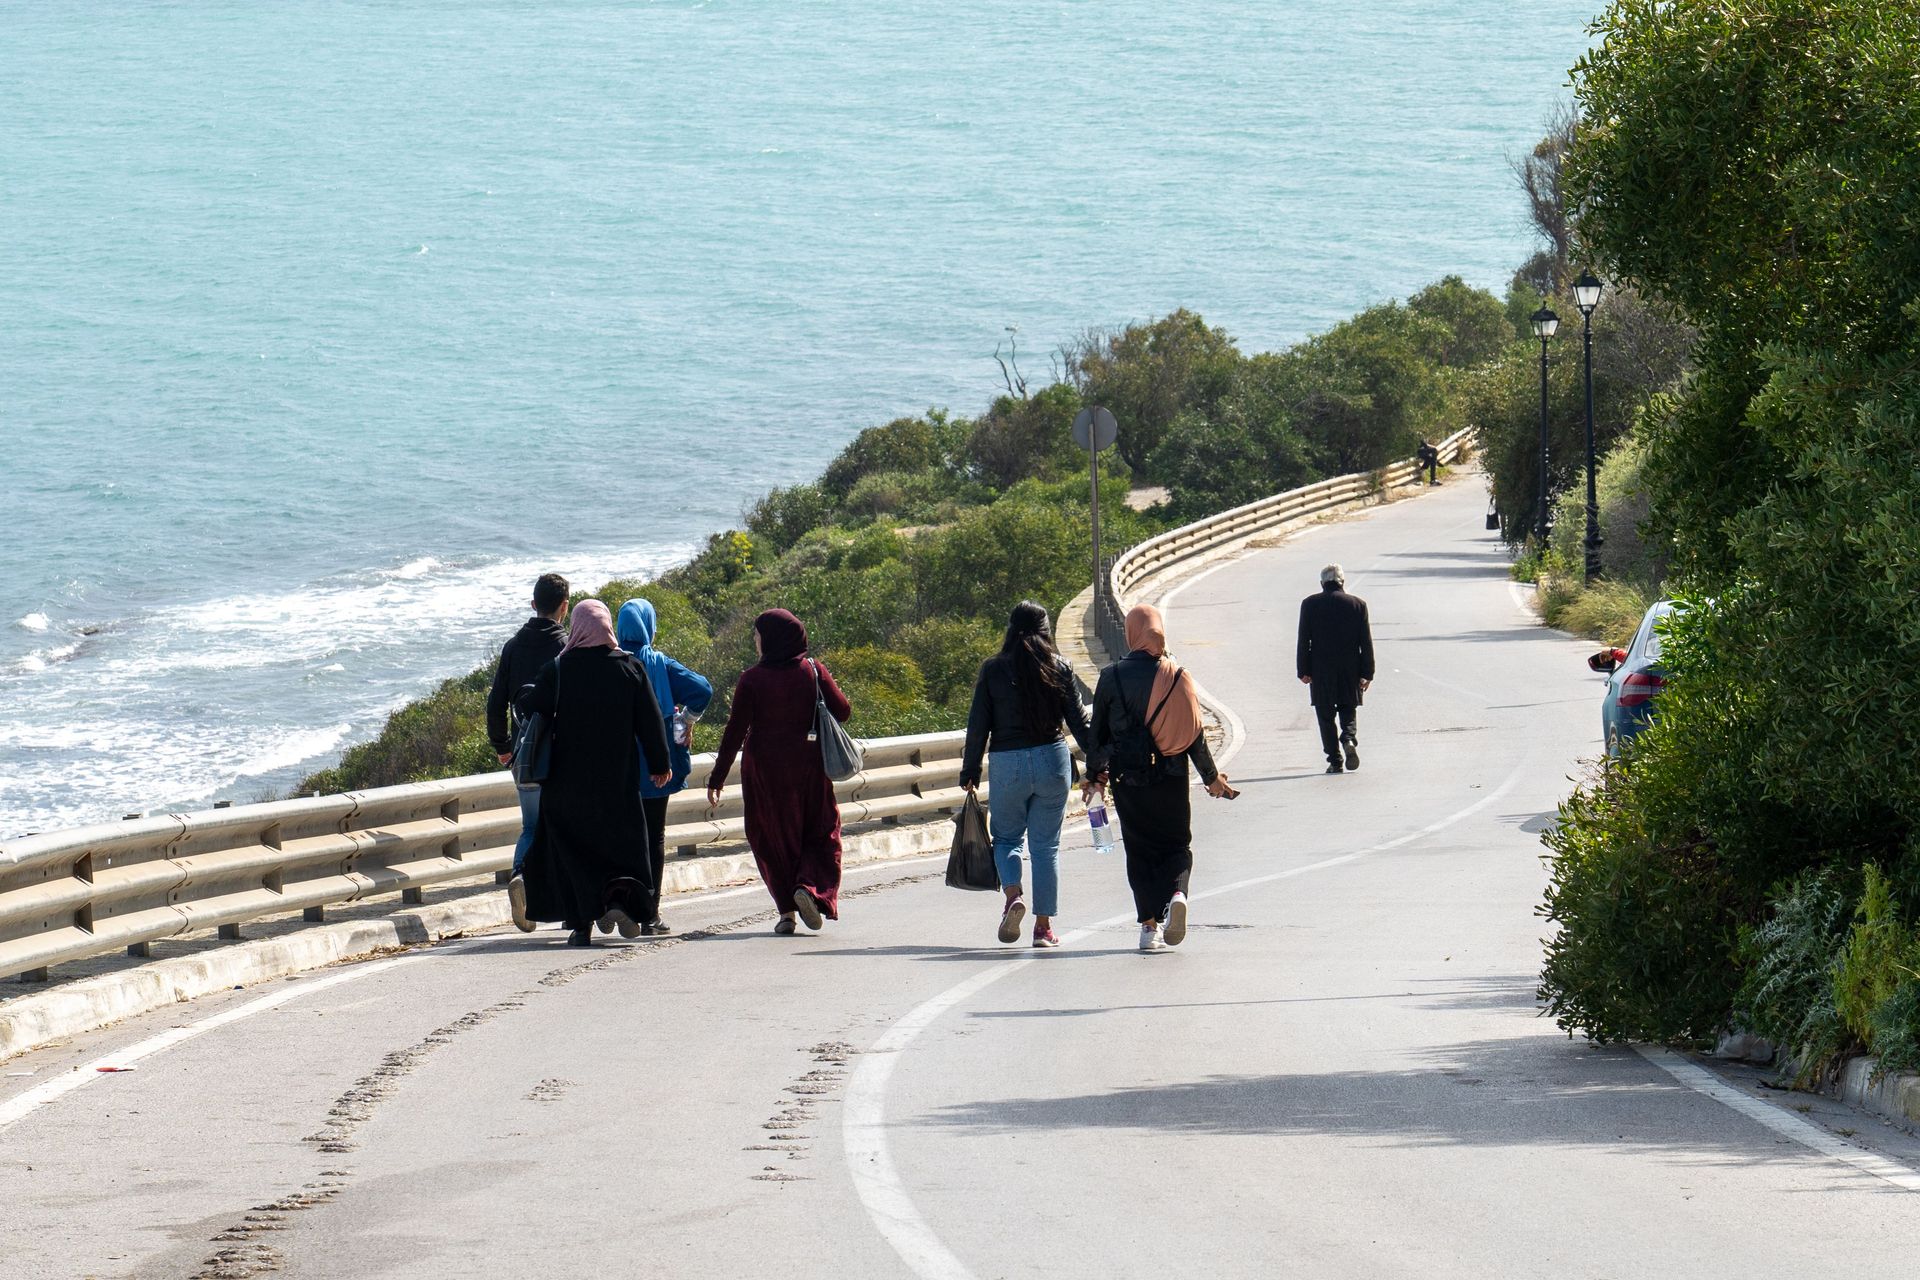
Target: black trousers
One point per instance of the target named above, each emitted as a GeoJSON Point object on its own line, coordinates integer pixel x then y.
{"type": "Point", "coordinates": [1156, 826]}
{"type": "Point", "coordinates": [655, 808]}
{"type": "Point", "coordinates": [1349, 729]}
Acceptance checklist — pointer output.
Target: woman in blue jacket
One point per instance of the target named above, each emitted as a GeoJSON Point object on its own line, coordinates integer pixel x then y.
{"type": "Point", "coordinates": [675, 686]}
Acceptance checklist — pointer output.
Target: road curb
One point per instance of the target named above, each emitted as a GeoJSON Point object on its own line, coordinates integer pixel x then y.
{"type": "Point", "coordinates": [32, 1022]}
{"type": "Point", "coordinates": [1859, 1083]}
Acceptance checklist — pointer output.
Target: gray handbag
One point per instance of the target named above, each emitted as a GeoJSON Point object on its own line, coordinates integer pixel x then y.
{"type": "Point", "coordinates": [839, 753]}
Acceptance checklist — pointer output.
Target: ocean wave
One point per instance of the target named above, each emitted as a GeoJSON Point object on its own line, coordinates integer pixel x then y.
{"type": "Point", "coordinates": [35, 621]}
{"type": "Point", "coordinates": [41, 659]}
{"type": "Point", "coordinates": [176, 706]}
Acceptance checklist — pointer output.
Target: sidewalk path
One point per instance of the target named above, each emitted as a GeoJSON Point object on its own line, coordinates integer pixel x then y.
{"type": "Point", "coordinates": [1341, 1073]}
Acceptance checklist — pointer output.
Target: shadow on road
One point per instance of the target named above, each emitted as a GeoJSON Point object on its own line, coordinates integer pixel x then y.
{"type": "Point", "coordinates": [1527, 1091]}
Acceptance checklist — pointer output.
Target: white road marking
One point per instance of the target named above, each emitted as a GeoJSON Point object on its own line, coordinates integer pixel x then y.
{"type": "Point", "coordinates": [23, 1105]}
{"type": "Point", "coordinates": [1804, 1132]}
{"type": "Point", "coordinates": [1236, 728]}
{"type": "Point", "coordinates": [863, 1119]}
{"type": "Point", "coordinates": [1523, 598]}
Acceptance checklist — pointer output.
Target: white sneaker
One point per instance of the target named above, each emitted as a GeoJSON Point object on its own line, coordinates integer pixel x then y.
{"type": "Point", "coordinates": [1151, 938]}
{"type": "Point", "coordinates": [1176, 931]}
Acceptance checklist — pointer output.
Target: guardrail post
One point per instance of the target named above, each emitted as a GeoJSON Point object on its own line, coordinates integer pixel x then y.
{"type": "Point", "coordinates": [33, 975]}
{"type": "Point", "coordinates": [413, 897]}
{"type": "Point", "coordinates": [503, 877]}
{"type": "Point", "coordinates": [230, 933]}
{"type": "Point", "coordinates": [314, 915]}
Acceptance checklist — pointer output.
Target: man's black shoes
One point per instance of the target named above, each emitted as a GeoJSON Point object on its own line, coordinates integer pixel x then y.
{"type": "Point", "coordinates": [1336, 767]}
{"type": "Point", "coordinates": [1353, 756]}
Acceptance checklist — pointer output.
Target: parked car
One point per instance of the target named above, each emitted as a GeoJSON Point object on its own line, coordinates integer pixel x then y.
{"type": "Point", "coordinates": [1634, 679]}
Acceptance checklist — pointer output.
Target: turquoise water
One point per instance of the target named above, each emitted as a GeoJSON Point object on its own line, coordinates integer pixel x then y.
{"type": "Point", "coordinates": [328, 325]}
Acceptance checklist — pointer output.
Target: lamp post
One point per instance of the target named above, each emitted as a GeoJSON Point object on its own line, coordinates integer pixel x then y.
{"type": "Point", "coordinates": [1544, 324]}
{"type": "Point", "coordinates": [1586, 296]}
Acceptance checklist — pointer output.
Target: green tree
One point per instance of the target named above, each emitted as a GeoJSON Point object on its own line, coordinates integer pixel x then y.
{"type": "Point", "coordinates": [1148, 374]}
{"type": "Point", "coordinates": [1752, 166]}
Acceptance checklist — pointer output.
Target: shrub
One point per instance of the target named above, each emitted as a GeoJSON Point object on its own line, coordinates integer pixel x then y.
{"type": "Point", "coordinates": [949, 652]}
{"type": "Point", "coordinates": [1880, 955]}
{"type": "Point", "coordinates": [442, 735]}
{"type": "Point", "coordinates": [1147, 374]}
{"type": "Point", "coordinates": [1017, 439]}
{"type": "Point", "coordinates": [784, 516]}
{"type": "Point", "coordinates": [1646, 924]}
{"type": "Point", "coordinates": [1786, 993]}
{"type": "Point", "coordinates": [888, 694]}
{"type": "Point", "coordinates": [905, 445]}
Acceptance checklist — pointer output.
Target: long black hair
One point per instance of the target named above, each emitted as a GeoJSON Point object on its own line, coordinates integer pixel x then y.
{"type": "Point", "coordinates": [1036, 668]}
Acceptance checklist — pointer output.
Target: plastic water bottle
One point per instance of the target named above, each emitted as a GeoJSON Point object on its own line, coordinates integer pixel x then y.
{"type": "Point", "coordinates": [682, 727]}
{"type": "Point", "coordinates": [1102, 828]}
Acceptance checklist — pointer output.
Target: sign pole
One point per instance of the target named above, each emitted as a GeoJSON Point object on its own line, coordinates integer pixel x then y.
{"type": "Point", "coordinates": [1093, 430]}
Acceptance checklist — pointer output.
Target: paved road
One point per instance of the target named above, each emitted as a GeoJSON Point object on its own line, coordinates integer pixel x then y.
{"type": "Point", "coordinates": [1340, 1074]}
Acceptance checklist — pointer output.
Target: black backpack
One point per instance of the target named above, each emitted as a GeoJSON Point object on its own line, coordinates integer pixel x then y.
{"type": "Point", "coordinates": [1135, 758]}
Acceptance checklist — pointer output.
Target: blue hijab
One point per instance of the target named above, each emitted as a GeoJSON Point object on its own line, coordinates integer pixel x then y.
{"type": "Point", "coordinates": [672, 683]}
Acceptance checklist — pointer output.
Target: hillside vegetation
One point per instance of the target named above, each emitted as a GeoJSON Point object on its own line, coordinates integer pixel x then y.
{"type": "Point", "coordinates": [904, 555]}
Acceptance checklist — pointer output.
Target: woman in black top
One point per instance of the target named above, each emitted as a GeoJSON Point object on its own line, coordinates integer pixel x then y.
{"type": "Point", "coordinates": [1023, 698]}
{"type": "Point", "coordinates": [589, 859]}
{"type": "Point", "coordinates": [1146, 727]}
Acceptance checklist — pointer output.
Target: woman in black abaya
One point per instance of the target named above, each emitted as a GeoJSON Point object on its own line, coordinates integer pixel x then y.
{"type": "Point", "coordinates": [589, 861]}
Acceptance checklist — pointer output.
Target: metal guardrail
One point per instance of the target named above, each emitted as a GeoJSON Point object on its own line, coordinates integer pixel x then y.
{"type": "Point", "coordinates": [69, 895]}
{"type": "Point", "coordinates": [1132, 567]}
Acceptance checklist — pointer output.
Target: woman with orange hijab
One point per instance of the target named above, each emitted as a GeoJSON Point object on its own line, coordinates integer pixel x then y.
{"type": "Point", "coordinates": [1146, 727]}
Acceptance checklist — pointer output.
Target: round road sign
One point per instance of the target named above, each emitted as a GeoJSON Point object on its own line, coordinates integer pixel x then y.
{"type": "Point", "coordinates": [1097, 423]}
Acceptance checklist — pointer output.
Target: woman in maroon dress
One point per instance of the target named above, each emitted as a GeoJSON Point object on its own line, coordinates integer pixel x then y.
{"type": "Point", "coordinates": [793, 822]}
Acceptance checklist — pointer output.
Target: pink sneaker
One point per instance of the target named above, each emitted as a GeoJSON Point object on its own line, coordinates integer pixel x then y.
{"type": "Point", "coordinates": [1045, 937]}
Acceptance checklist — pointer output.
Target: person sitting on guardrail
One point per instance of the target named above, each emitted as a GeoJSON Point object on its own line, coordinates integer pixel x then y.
{"type": "Point", "coordinates": [1427, 458]}
{"type": "Point", "coordinates": [683, 694]}
{"type": "Point", "coordinates": [793, 820]}
{"type": "Point", "coordinates": [589, 857]}
{"type": "Point", "coordinates": [1023, 701]}
{"type": "Point", "coordinates": [1146, 727]}
{"type": "Point", "coordinates": [537, 642]}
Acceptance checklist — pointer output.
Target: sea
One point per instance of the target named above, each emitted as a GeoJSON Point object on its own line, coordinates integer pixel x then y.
{"type": "Point", "coordinates": [326, 326]}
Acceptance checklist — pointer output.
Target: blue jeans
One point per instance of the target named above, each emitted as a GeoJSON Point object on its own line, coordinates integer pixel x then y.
{"type": "Point", "coordinates": [1026, 799]}
{"type": "Point", "coordinates": [529, 819]}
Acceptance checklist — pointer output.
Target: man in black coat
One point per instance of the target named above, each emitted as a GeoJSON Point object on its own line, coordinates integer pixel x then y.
{"type": "Point", "coordinates": [1335, 657]}
{"type": "Point", "coordinates": [533, 646]}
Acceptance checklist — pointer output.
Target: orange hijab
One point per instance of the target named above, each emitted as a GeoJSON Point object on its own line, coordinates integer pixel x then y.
{"type": "Point", "coordinates": [1179, 718]}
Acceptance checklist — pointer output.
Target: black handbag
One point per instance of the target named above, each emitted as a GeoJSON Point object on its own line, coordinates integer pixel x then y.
{"type": "Point", "coordinates": [841, 756]}
{"type": "Point", "coordinates": [533, 742]}
{"type": "Point", "coordinates": [1136, 759]}
{"type": "Point", "coordinates": [970, 864]}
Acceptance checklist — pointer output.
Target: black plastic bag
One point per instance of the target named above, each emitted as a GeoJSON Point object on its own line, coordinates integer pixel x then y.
{"type": "Point", "coordinates": [970, 865]}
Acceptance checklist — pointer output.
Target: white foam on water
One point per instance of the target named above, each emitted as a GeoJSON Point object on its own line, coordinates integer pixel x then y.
{"type": "Point", "coordinates": [178, 706]}
{"type": "Point", "coordinates": [35, 621]}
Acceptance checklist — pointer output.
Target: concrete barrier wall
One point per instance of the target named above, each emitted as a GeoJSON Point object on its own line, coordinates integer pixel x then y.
{"type": "Point", "coordinates": [69, 895]}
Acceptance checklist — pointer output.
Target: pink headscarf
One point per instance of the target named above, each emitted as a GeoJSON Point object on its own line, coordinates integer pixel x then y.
{"type": "Point", "coordinates": [1177, 704]}
{"type": "Point", "coordinates": [590, 628]}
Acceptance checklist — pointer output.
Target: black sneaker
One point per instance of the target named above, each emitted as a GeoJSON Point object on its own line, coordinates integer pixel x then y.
{"type": "Point", "coordinates": [580, 938]}
{"type": "Point", "coordinates": [657, 928]}
{"type": "Point", "coordinates": [1336, 767]}
{"type": "Point", "coordinates": [1353, 756]}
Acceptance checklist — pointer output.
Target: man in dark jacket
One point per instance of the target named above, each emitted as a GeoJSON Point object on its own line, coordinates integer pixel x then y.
{"type": "Point", "coordinates": [1335, 657]}
{"type": "Point", "coordinates": [533, 646]}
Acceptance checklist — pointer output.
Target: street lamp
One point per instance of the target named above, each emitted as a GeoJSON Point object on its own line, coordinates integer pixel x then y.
{"type": "Point", "coordinates": [1586, 295]}
{"type": "Point", "coordinates": [1544, 324]}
